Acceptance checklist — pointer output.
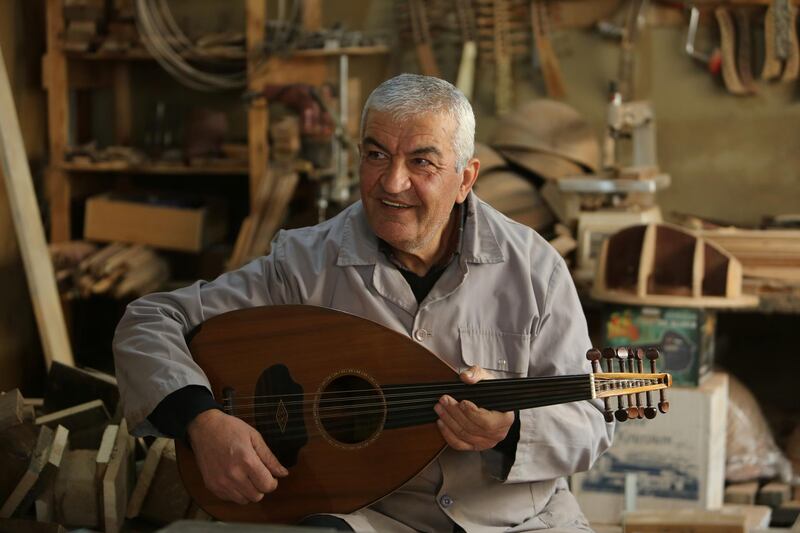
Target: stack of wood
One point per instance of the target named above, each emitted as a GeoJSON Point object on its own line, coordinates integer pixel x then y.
{"type": "Point", "coordinates": [271, 204]}
{"type": "Point", "coordinates": [68, 462]}
{"type": "Point", "coordinates": [84, 19]}
{"type": "Point", "coordinates": [122, 33]}
{"type": "Point", "coordinates": [765, 254]}
{"type": "Point", "coordinates": [118, 270]}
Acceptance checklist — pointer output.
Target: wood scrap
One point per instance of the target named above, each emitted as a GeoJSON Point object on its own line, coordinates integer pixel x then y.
{"type": "Point", "coordinates": [145, 478]}
{"type": "Point", "coordinates": [70, 386]}
{"type": "Point", "coordinates": [260, 226]}
{"type": "Point", "coordinates": [30, 232]}
{"type": "Point", "coordinates": [11, 409]}
{"type": "Point", "coordinates": [76, 490]}
{"type": "Point", "coordinates": [28, 479]}
{"type": "Point", "coordinates": [86, 423]}
{"type": "Point", "coordinates": [742, 493]}
{"type": "Point", "coordinates": [548, 61]}
{"type": "Point", "coordinates": [116, 482]}
{"type": "Point", "coordinates": [117, 270]}
{"type": "Point", "coordinates": [44, 491]}
{"type": "Point", "coordinates": [167, 499]}
{"type": "Point", "coordinates": [16, 448]}
{"type": "Point", "coordinates": [774, 494]}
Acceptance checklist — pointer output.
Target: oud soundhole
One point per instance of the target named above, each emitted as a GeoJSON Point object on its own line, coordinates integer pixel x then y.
{"type": "Point", "coordinates": [351, 410]}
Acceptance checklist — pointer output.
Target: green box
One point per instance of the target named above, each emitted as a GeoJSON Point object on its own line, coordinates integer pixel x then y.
{"type": "Point", "coordinates": [684, 336]}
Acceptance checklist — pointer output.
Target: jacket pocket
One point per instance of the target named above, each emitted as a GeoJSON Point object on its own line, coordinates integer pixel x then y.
{"type": "Point", "coordinates": [504, 354]}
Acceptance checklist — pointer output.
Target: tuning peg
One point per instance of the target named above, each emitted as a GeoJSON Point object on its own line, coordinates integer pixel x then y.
{"type": "Point", "coordinates": [663, 404]}
{"type": "Point", "coordinates": [623, 411]}
{"type": "Point", "coordinates": [650, 412]}
{"type": "Point", "coordinates": [594, 355]}
{"type": "Point", "coordinates": [609, 354]}
{"type": "Point", "coordinates": [622, 359]}
{"type": "Point", "coordinates": [635, 400]}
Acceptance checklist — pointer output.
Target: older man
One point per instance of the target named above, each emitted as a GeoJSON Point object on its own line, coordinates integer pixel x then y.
{"type": "Point", "coordinates": [422, 255]}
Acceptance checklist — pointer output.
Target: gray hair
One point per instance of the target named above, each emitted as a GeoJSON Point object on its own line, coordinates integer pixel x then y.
{"type": "Point", "coordinates": [410, 95]}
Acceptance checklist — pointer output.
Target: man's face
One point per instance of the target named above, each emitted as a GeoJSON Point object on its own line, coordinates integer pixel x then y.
{"type": "Point", "coordinates": [409, 182]}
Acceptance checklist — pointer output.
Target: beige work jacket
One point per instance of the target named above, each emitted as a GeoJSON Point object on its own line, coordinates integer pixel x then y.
{"type": "Point", "coordinates": [506, 303]}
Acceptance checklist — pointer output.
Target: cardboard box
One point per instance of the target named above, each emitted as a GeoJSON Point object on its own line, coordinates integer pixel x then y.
{"type": "Point", "coordinates": [679, 458]}
{"type": "Point", "coordinates": [185, 225]}
{"type": "Point", "coordinates": [684, 336]}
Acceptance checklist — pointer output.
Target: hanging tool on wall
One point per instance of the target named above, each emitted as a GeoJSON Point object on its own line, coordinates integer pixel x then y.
{"type": "Point", "coordinates": [781, 57]}
{"type": "Point", "coordinates": [744, 48]}
{"type": "Point", "coordinates": [730, 71]}
{"type": "Point", "coordinates": [712, 59]}
{"type": "Point", "coordinates": [504, 80]}
{"type": "Point", "coordinates": [548, 61]}
{"type": "Point", "coordinates": [420, 30]}
{"type": "Point", "coordinates": [469, 49]}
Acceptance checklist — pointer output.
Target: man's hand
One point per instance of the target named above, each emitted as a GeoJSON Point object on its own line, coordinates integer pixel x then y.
{"type": "Point", "coordinates": [467, 427]}
{"type": "Point", "coordinates": [235, 461]}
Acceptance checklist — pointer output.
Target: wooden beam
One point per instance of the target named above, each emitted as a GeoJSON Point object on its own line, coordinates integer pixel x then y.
{"type": "Point", "coordinates": [258, 111]}
{"type": "Point", "coordinates": [55, 76]}
{"type": "Point", "coordinates": [30, 232]}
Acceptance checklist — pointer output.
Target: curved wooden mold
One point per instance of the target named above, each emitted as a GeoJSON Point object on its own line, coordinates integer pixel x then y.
{"type": "Point", "coordinates": [662, 264]}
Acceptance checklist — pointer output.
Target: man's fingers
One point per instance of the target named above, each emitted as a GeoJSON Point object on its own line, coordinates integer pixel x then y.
{"type": "Point", "coordinates": [452, 439]}
{"type": "Point", "coordinates": [267, 457]}
{"type": "Point", "coordinates": [474, 374]}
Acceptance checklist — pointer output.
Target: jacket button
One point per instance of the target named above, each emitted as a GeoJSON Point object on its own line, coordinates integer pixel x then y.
{"type": "Point", "coordinates": [420, 334]}
{"type": "Point", "coordinates": [446, 501]}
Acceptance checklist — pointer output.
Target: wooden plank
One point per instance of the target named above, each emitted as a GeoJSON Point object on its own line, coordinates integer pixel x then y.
{"type": "Point", "coordinates": [116, 481]}
{"type": "Point", "coordinates": [44, 492]}
{"type": "Point", "coordinates": [86, 423]}
{"type": "Point", "coordinates": [68, 386]}
{"type": "Point", "coordinates": [145, 478]}
{"type": "Point", "coordinates": [11, 409]}
{"type": "Point", "coordinates": [257, 112]}
{"type": "Point", "coordinates": [167, 499]}
{"type": "Point", "coordinates": [55, 74]}
{"type": "Point", "coordinates": [30, 232]}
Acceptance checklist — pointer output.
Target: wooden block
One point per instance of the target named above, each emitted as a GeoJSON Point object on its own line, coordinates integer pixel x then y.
{"type": "Point", "coordinates": [16, 525]}
{"type": "Point", "coordinates": [116, 485]}
{"type": "Point", "coordinates": [16, 447]}
{"type": "Point", "coordinates": [44, 492]}
{"type": "Point", "coordinates": [11, 409]}
{"type": "Point", "coordinates": [68, 386]}
{"type": "Point", "coordinates": [31, 474]}
{"type": "Point", "coordinates": [86, 423]}
{"type": "Point", "coordinates": [76, 490]}
{"type": "Point", "coordinates": [774, 494]}
{"type": "Point", "coordinates": [167, 500]}
{"type": "Point", "coordinates": [146, 476]}
{"type": "Point", "coordinates": [757, 516]}
{"type": "Point", "coordinates": [742, 493]}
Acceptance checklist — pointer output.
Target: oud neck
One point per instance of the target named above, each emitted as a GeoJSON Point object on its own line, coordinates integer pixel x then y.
{"type": "Point", "coordinates": [412, 404]}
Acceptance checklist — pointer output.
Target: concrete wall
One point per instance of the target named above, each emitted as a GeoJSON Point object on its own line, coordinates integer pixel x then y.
{"type": "Point", "coordinates": [21, 38]}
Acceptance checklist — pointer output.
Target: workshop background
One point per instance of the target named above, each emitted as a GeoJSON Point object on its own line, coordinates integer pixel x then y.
{"type": "Point", "coordinates": [655, 144]}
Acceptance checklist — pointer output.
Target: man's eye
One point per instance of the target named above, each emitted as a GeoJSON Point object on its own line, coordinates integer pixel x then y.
{"type": "Point", "coordinates": [422, 163]}
{"type": "Point", "coordinates": [374, 155]}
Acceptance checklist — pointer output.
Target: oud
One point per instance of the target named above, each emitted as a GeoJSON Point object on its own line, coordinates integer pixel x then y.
{"type": "Point", "coordinates": [339, 399]}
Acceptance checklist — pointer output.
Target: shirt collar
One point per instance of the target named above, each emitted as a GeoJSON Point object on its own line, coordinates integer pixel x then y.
{"type": "Point", "coordinates": [477, 241]}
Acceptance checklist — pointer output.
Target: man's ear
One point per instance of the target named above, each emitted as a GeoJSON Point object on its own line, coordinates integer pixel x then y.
{"type": "Point", "coordinates": [468, 177]}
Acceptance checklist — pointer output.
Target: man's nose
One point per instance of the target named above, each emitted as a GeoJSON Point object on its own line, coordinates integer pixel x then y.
{"type": "Point", "coordinates": [395, 179]}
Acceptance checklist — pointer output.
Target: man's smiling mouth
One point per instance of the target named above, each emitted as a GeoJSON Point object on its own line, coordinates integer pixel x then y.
{"type": "Point", "coordinates": [394, 204]}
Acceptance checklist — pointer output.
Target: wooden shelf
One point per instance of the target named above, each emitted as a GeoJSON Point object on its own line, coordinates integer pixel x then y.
{"type": "Point", "coordinates": [154, 168]}
{"type": "Point", "coordinates": [141, 54]}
